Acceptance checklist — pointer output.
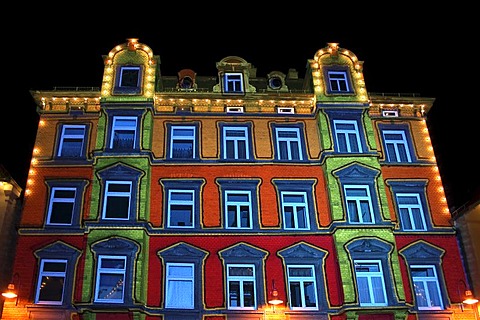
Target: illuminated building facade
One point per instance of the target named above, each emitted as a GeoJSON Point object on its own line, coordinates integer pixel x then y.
{"type": "Point", "coordinates": [235, 197]}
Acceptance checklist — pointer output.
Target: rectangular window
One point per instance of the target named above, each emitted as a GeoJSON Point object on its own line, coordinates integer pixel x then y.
{"type": "Point", "coordinates": [233, 83]}
{"type": "Point", "coordinates": [235, 143]}
{"type": "Point", "coordinates": [412, 216]}
{"type": "Point", "coordinates": [51, 281]}
{"type": "Point", "coordinates": [370, 283]}
{"type": "Point", "coordinates": [359, 204]}
{"type": "Point", "coordinates": [182, 142]}
{"type": "Point", "coordinates": [129, 77]}
{"type": "Point", "coordinates": [241, 290]}
{"type": "Point", "coordinates": [427, 288]}
{"type": "Point", "coordinates": [181, 206]}
{"type": "Point", "coordinates": [288, 144]}
{"type": "Point", "coordinates": [347, 136]}
{"type": "Point", "coordinates": [123, 133]}
{"type": "Point", "coordinates": [110, 282]}
{"type": "Point", "coordinates": [117, 200]}
{"type": "Point", "coordinates": [60, 208]}
{"type": "Point", "coordinates": [338, 81]}
{"type": "Point", "coordinates": [238, 206]}
{"type": "Point", "coordinates": [396, 146]}
{"type": "Point", "coordinates": [302, 287]}
{"type": "Point", "coordinates": [72, 141]}
{"type": "Point", "coordinates": [295, 210]}
{"type": "Point", "coordinates": [179, 286]}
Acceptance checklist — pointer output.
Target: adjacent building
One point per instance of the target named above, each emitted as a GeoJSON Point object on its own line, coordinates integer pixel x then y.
{"type": "Point", "coordinates": [235, 196]}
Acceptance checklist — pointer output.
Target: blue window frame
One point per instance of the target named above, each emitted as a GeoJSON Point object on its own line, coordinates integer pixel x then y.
{"type": "Point", "coordinates": [397, 143]}
{"type": "Point", "coordinates": [115, 264]}
{"type": "Point", "coordinates": [183, 276]}
{"type": "Point", "coordinates": [182, 203]}
{"type": "Point", "coordinates": [411, 204]}
{"type": "Point", "coordinates": [244, 278]}
{"type": "Point", "coordinates": [338, 80]}
{"type": "Point", "coordinates": [424, 261]}
{"type": "Point", "coordinates": [305, 276]}
{"type": "Point", "coordinates": [72, 143]}
{"type": "Point", "coordinates": [240, 203]}
{"type": "Point", "coordinates": [56, 274]}
{"type": "Point", "coordinates": [347, 136]}
{"type": "Point", "coordinates": [182, 142]}
{"type": "Point", "coordinates": [128, 79]}
{"type": "Point", "coordinates": [233, 83]}
{"type": "Point", "coordinates": [236, 143]}
{"type": "Point", "coordinates": [374, 281]}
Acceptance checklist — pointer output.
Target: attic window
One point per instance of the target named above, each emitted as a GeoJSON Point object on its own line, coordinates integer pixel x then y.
{"type": "Point", "coordinates": [128, 80]}
{"type": "Point", "coordinates": [275, 82]}
{"type": "Point", "coordinates": [234, 110]}
{"type": "Point", "coordinates": [390, 113]}
{"type": "Point", "coordinates": [288, 110]}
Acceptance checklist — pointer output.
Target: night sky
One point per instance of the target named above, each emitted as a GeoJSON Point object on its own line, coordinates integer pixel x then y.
{"type": "Point", "coordinates": [411, 52]}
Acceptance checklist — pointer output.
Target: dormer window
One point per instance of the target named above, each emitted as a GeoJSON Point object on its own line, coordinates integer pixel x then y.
{"type": "Point", "coordinates": [338, 81]}
{"type": "Point", "coordinates": [128, 80]}
{"type": "Point", "coordinates": [233, 83]}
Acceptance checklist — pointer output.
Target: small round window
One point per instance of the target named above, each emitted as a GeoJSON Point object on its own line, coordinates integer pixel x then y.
{"type": "Point", "coordinates": [275, 83]}
{"type": "Point", "coordinates": [186, 83]}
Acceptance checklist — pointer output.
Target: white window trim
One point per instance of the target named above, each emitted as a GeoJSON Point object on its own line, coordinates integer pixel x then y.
{"type": "Point", "coordinates": [396, 144]}
{"type": "Point", "coordinates": [169, 279]}
{"type": "Point", "coordinates": [116, 127]}
{"type": "Point", "coordinates": [180, 202]}
{"type": "Point", "coordinates": [116, 194]}
{"type": "Point", "coordinates": [238, 205]}
{"type": "Point", "coordinates": [369, 276]}
{"type": "Point", "coordinates": [343, 79]}
{"type": "Point", "coordinates": [424, 280]}
{"type": "Point", "coordinates": [241, 279]}
{"type": "Point", "coordinates": [346, 134]}
{"type": "Point", "coordinates": [173, 137]}
{"type": "Point", "coordinates": [295, 205]}
{"type": "Point", "coordinates": [101, 270]}
{"type": "Point", "coordinates": [358, 200]}
{"type": "Point", "coordinates": [42, 273]}
{"type": "Point", "coordinates": [289, 142]}
{"type": "Point", "coordinates": [301, 280]}
{"type": "Point", "coordinates": [228, 79]}
{"type": "Point", "coordinates": [124, 68]}
{"type": "Point", "coordinates": [66, 136]}
{"type": "Point", "coordinates": [235, 141]}
{"type": "Point", "coordinates": [409, 208]}
{"type": "Point", "coordinates": [54, 200]}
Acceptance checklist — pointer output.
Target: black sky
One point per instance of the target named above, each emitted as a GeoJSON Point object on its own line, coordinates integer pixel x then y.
{"type": "Point", "coordinates": [406, 52]}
